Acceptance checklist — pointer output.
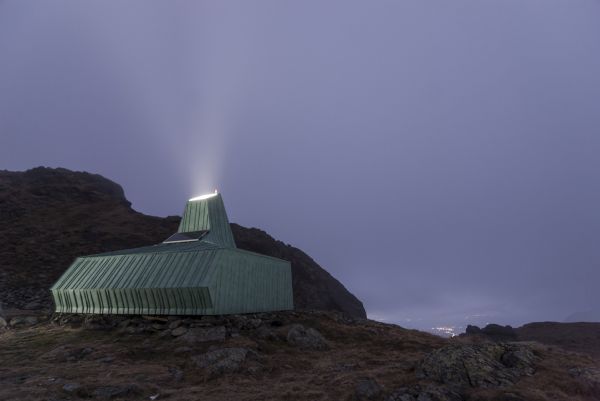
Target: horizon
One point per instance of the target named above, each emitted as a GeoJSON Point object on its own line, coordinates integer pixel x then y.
{"type": "Point", "coordinates": [439, 160]}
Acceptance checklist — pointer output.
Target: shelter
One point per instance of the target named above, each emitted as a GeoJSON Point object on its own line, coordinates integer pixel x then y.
{"type": "Point", "coordinates": [196, 271]}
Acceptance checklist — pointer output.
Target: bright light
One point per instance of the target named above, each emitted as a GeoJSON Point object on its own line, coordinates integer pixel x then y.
{"type": "Point", "coordinates": [201, 197]}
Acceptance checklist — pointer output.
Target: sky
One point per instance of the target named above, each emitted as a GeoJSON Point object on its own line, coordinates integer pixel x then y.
{"type": "Point", "coordinates": [440, 158]}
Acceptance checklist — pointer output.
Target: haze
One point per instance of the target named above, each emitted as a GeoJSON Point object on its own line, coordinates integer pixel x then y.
{"type": "Point", "coordinates": [440, 158]}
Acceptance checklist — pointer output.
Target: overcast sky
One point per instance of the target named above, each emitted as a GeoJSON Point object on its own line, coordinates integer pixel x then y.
{"type": "Point", "coordinates": [440, 158]}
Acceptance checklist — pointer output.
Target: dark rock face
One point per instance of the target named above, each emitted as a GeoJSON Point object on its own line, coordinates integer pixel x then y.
{"type": "Point", "coordinates": [48, 217]}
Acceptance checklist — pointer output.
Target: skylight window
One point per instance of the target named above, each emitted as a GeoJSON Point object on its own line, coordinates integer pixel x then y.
{"type": "Point", "coordinates": [186, 237]}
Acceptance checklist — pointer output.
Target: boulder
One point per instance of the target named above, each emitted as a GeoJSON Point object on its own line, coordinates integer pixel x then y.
{"type": "Point", "coordinates": [223, 360]}
{"type": "Point", "coordinates": [22, 321]}
{"type": "Point", "coordinates": [479, 365]}
{"type": "Point", "coordinates": [367, 389]}
{"type": "Point", "coordinates": [588, 374]}
{"type": "Point", "coordinates": [175, 324]}
{"type": "Point", "coordinates": [306, 338]}
{"type": "Point", "coordinates": [204, 334]}
{"type": "Point", "coordinates": [34, 305]}
{"type": "Point", "coordinates": [71, 387]}
{"type": "Point", "coordinates": [179, 331]}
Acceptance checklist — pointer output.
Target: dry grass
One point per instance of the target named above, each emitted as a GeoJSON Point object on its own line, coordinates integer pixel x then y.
{"type": "Point", "coordinates": [37, 362]}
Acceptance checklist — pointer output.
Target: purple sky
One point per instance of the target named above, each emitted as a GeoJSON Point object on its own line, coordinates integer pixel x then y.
{"type": "Point", "coordinates": [441, 158]}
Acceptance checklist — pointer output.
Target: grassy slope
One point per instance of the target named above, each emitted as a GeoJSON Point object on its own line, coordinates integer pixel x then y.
{"type": "Point", "coordinates": [38, 361]}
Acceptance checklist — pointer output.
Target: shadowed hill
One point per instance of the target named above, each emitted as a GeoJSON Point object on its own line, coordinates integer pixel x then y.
{"type": "Point", "coordinates": [48, 217]}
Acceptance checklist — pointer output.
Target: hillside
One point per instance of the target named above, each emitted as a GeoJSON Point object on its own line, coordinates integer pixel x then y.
{"type": "Point", "coordinates": [48, 217]}
{"type": "Point", "coordinates": [325, 350]}
{"type": "Point", "coordinates": [275, 356]}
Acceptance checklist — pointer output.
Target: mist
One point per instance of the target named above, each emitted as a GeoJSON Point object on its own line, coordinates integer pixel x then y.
{"type": "Point", "coordinates": [439, 158]}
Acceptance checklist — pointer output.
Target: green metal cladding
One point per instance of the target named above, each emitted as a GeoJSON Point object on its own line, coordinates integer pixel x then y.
{"type": "Point", "coordinates": [209, 276]}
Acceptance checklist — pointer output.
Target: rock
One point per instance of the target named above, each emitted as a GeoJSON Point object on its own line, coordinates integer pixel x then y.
{"type": "Point", "coordinates": [479, 365]}
{"type": "Point", "coordinates": [175, 324]}
{"type": "Point", "coordinates": [266, 333]}
{"type": "Point", "coordinates": [66, 353]}
{"type": "Point", "coordinates": [179, 331]}
{"type": "Point", "coordinates": [108, 392]}
{"type": "Point", "coordinates": [204, 334]}
{"type": "Point", "coordinates": [472, 330]}
{"type": "Point", "coordinates": [220, 361]}
{"type": "Point", "coordinates": [424, 393]}
{"type": "Point", "coordinates": [125, 323]}
{"type": "Point", "coordinates": [3, 323]}
{"type": "Point", "coordinates": [22, 321]}
{"type": "Point", "coordinates": [176, 374]}
{"type": "Point", "coordinates": [164, 333]}
{"type": "Point", "coordinates": [306, 338]}
{"type": "Point", "coordinates": [590, 375]}
{"type": "Point", "coordinates": [499, 333]}
{"type": "Point", "coordinates": [71, 387]}
{"type": "Point", "coordinates": [244, 323]}
{"type": "Point", "coordinates": [33, 306]}
{"type": "Point", "coordinates": [367, 389]}
{"type": "Point", "coordinates": [100, 322]}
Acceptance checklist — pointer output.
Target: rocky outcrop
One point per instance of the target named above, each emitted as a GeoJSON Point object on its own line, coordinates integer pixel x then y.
{"type": "Point", "coordinates": [493, 332]}
{"type": "Point", "coordinates": [479, 365]}
{"type": "Point", "coordinates": [583, 337]}
{"type": "Point", "coordinates": [48, 217]}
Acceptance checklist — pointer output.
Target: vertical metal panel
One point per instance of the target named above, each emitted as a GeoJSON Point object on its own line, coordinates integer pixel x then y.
{"type": "Point", "coordinates": [248, 282]}
{"type": "Point", "coordinates": [134, 301]}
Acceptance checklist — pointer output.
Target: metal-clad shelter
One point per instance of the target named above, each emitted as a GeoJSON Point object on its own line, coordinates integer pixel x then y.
{"type": "Point", "coordinates": [197, 271]}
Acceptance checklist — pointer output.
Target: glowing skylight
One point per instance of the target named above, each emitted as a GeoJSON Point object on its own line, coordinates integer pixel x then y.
{"type": "Point", "coordinates": [201, 197]}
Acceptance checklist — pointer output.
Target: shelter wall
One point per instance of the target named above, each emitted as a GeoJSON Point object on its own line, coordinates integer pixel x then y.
{"type": "Point", "coordinates": [246, 282]}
